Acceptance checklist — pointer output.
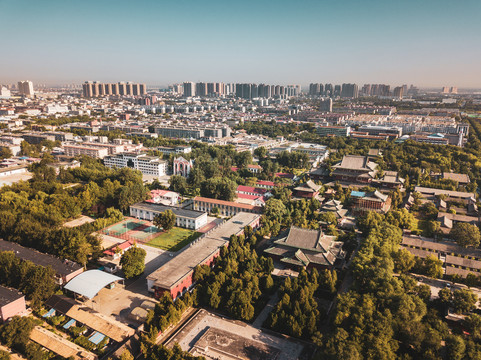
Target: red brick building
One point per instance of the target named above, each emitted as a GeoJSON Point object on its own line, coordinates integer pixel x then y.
{"type": "Point", "coordinates": [374, 201]}
{"type": "Point", "coordinates": [176, 275]}
{"type": "Point", "coordinates": [308, 190]}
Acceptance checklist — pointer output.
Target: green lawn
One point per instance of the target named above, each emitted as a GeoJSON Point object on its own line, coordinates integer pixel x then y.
{"type": "Point", "coordinates": [174, 239]}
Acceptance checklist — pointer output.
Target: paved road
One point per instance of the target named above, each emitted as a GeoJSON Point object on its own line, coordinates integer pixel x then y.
{"type": "Point", "coordinates": [437, 284]}
{"type": "Point", "coordinates": [266, 311]}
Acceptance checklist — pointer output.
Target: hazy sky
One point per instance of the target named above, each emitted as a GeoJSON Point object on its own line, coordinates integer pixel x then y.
{"type": "Point", "coordinates": [424, 42]}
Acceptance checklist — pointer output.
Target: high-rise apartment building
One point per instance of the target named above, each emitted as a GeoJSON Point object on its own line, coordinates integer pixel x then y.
{"type": "Point", "coordinates": [398, 92]}
{"type": "Point", "coordinates": [189, 89]}
{"type": "Point", "coordinates": [25, 88]}
{"type": "Point", "coordinates": [378, 90]}
{"type": "Point", "coordinates": [96, 89]}
{"type": "Point", "coordinates": [316, 89]}
{"type": "Point", "coordinates": [349, 91]}
{"type": "Point", "coordinates": [201, 89]}
{"type": "Point", "coordinates": [325, 105]}
{"type": "Point", "coordinates": [337, 90]}
{"type": "Point", "coordinates": [122, 88]}
{"type": "Point", "coordinates": [366, 90]}
{"type": "Point", "coordinates": [329, 90]}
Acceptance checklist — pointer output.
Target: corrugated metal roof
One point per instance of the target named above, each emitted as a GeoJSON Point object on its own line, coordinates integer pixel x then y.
{"type": "Point", "coordinates": [90, 282]}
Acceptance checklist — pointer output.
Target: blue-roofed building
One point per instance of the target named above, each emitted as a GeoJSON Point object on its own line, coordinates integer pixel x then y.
{"type": "Point", "coordinates": [358, 193]}
{"type": "Point", "coordinates": [96, 338]}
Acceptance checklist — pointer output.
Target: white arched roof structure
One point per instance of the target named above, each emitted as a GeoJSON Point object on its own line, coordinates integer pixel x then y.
{"type": "Point", "coordinates": [90, 282]}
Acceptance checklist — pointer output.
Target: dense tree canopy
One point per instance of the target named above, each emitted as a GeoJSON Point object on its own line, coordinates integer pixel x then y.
{"type": "Point", "coordinates": [466, 234]}
{"type": "Point", "coordinates": [133, 262]}
{"type": "Point", "coordinates": [165, 220]}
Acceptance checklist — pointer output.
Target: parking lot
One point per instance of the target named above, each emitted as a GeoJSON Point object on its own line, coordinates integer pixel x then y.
{"type": "Point", "coordinates": [121, 300]}
{"type": "Point", "coordinates": [438, 284]}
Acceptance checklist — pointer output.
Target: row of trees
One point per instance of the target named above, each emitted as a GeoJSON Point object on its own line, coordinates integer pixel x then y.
{"type": "Point", "coordinates": [238, 282]}
{"type": "Point", "coordinates": [167, 312]}
{"type": "Point", "coordinates": [297, 312]}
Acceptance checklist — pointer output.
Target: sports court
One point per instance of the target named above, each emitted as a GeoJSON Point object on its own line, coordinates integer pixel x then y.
{"type": "Point", "coordinates": [133, 229]}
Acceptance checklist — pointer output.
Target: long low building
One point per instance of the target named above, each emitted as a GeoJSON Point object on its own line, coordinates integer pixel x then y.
{"type": "Point", "coordinates": [226, 208]}
{"type": "Point", "coordinates": [76, 150]}
{"type": "Point", "coordinates": [175, 276]}
{"type": "Point", "coordinates": [188, 219]}
{"type": "Point", "coordinates": [147, 165]}
{"type": "Point", "coordinates": [59, 345]}
{"type": "Point", "coordinates": [106, 325]}
{"type": "Point", "coordinates": [430, 193]}
{"type": "Point", "coordinates": [456, 259]}
{"type": "Point", "coordinates": [65, 270]}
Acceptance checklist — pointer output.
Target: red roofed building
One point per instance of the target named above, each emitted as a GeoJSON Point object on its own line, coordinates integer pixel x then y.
{"type": "Point", "coordinates": [284, 175]}
{"type": "Point", "coordinates": [165, 197]}
{"type": "Point", "coordinates": [265, 184]}
{"type": "Point", "coordinates": [250, 190]}
{"type": "Point", "coordinates": [116, 251]}
{"type": "Point", "coordinates": [307, 190]}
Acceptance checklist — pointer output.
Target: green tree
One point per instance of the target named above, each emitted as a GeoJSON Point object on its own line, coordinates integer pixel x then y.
{"type": "Point", "coordinates": [5, 153]}
{"type": "Point", "coordinates": [133, 262]}
{"type": "Point", "coordinates": [132, 193]}
{"type": "Point", "coordinates": [403, 261]}
{"type": "Point", "coordinates": [433, 267]}
{"type": "Point", "coordinates": [260, 152]}
{"type": "Point", "coordinates": [432, 228]}
{"type": "Point", "coordinates": [328, 280]}
{"type": "Point", "coordinates": [178, 184]}
{"type": "Point", "coordinates": [473, 324]}
{"type": "Point", "coordinates": [328, 217]}
{"type": "Point", "coordinates": [165, 220]}
{"type": "Point", "coordinates": [464, 300]}
{"type": "Point", "coordinates": [4, 355]}
{"type": "Point", "coordinates": [38, 283]}
{"type": "Point", "coordinates": [274, 210]}
{"type": "Point", "coordinates": [126, 355]}
{"type": "Point", "coordinates": [16, 333]}
{"type": "Point", "coordinates": [455, 347]}
{"type": "Point", "coordinates": [219, 188]}
{"type": "Point", "coordinates": [466, 234]}
{"type": "Point", "coordinates": [429, 210]}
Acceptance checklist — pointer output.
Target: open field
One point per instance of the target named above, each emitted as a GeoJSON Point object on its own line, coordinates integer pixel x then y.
{"type": "Point", "coordinates": [174, 239]}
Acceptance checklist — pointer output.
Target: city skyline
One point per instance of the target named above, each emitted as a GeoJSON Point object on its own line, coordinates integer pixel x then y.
{"type": "Point", "coordinates": [429, 44]}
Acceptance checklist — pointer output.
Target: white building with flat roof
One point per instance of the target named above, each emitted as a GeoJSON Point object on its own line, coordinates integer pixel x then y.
{"type": "Point", "coordinates": [147, 165]}
{"type": "Point", "coordinates": [76, 150]}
